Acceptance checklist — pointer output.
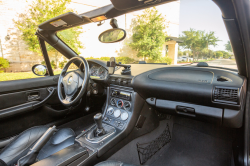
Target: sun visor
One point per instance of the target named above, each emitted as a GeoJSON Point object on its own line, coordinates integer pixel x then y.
{"type": "Point", "coordinates": [133, 4]}
{"type": "Point", "coordinates": [64, 21]}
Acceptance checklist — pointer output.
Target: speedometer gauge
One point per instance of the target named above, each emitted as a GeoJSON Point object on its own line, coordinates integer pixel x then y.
{"type": "Point", "coordinates": [102, 72]}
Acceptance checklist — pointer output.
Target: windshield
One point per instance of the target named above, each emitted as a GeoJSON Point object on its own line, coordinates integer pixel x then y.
{"type": "Point", "coordinates": [183, 32]}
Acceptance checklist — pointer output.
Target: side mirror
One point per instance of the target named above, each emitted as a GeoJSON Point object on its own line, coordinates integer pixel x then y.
{"type": "Point", "coordinates": [112, 35]}
{"type": "Point", "coordinates": [39, 70]}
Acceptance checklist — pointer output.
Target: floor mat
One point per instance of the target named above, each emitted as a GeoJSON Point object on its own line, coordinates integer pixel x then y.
{"type": "Point", "coordinates": [80, 124]}
{"type": "Point", "coordinates": [192, 148]}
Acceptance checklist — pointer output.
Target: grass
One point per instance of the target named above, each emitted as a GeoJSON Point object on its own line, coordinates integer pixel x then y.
{"type": "Point", "coordinates": [21, 75]}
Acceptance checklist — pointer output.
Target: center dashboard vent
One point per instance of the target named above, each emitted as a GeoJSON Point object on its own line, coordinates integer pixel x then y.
{"type": "Point", "coordinates": [228, 95]}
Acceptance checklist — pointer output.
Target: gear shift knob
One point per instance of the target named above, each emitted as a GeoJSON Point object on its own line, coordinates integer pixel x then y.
{"type": "Point", "coordinates": [98, 121]}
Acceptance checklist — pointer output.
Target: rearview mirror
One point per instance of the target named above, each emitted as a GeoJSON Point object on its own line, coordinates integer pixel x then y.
{"type": "Point", "coordinates": [39, 70]}
{"type": "Point", "coordinates": [112, 35]}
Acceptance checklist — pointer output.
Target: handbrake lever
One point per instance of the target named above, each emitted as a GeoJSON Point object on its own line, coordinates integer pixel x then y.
{"type": "Point", "coordinates": [30, 157]}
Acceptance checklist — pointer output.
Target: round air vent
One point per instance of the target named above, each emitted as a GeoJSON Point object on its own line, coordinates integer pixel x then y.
{"type": "Point", "coordinates": [112, 101]}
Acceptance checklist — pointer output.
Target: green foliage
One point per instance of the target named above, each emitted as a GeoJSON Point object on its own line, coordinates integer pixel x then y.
{"type": "Point", "coordinates": [228, 47]}
{"type": "Point", "coordinates": [225, 54]}
{"type": "Point", "coordinates": [219, 54]}
{"type": "Point", "coordinates": [165, 59]}
{"type": "Point", "coordinates": [4, 63]}
{"type": "Point", "coordinates": [61, 64]}
{"type": "Point", "coordinates": [40, 11]}
{"type": "Point", "coordinates": [125, 60]}
{"type": "Point", "coordinates": [148, 34]}
{"type": "Point", "coordinates": [52, 63]}
{"type": "Point", "coordinates": [197, 41]}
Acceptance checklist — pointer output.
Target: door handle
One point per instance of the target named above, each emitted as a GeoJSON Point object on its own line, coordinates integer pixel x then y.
{"type": "Point", "coordinates": [33, 96]}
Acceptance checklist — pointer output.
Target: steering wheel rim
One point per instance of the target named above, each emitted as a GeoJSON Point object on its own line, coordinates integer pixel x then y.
{"type": "Point", "coordinates": [72, 81]}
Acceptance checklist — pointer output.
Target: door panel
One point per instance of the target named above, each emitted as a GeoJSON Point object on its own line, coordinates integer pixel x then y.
{"type": "Point", "coordinates": [16, 104]}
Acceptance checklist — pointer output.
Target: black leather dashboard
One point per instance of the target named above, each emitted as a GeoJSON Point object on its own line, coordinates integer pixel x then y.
{"type": "Point", "coordinates": [214, 94]}
{"type": "Point", "coordinates": [188, 84]}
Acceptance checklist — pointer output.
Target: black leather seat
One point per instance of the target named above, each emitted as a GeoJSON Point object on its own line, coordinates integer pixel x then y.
{"type": "Point", "coordinates": [113, 163]}
{"type": "Point", "coordinates": [24, 141]}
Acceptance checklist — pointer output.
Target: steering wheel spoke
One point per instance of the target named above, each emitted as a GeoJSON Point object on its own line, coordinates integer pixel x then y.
{"type": "Point", "coordinates": [68, 98]}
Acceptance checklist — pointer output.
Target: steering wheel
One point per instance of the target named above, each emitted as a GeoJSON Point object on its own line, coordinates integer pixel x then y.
{"type": "Point", "coordinates": [72, 81]}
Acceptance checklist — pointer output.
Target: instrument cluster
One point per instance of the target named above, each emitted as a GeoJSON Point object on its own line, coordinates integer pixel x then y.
{"type": "Point", "coordinates": [98, 71]}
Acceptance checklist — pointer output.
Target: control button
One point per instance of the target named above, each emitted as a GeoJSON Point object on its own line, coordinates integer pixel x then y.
{"type": "Point", "coordinates": [119, 103]}
{"type": "Point", "coordinates": [94, 85]}
{"type": "Point", "coordinates": [127, 105]}
{"type": "Point", "coordinates": [95, 92]}
{"type": "Point", "coordinates": [117, 113]}
{"type": "Point", "coordinates": [124, 116]}
{"type": "Point", "coordinates": [88, 93]}
{"type": "Point", "coordinates": [112, 101]}
{"type": "Point", "coordinates": [121, 125]}
{"type": "Point", "coordinates": [110, 110]}
{"type": "Point", "coordinates": [106, 119]}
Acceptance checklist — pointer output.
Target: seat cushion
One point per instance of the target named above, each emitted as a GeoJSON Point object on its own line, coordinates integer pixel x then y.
{"type": "Point", "coordinates": [61, 139]}
{"type": "Point", "coordinates": [19, 146]}
{"type": "Point", "coordinates": [113, 163]}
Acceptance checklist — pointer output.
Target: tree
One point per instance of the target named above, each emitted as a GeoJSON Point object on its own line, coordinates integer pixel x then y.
{"type": "Point", "coordinates": [210, 39]}
{"type": "Point", "coordinates": [193, 40]}
{"type": "Point", "coordinates": [228, 47]}
{"type": "Point", "coordinates": [219, 54]}
{"type": "Point", "coordinates": [4, 64]}
{"type": "Point", "coordinates": [197, 41]}
{"type": "Point", "coordinates": [43, 10]}
{"type": "Point", "coordinates": [148, 34]}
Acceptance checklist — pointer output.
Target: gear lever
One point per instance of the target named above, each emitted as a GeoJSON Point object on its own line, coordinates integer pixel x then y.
{"type": "Point", "coordinates": [99, 128]}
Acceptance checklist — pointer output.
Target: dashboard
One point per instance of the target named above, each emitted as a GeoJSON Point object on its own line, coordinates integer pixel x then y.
{"type": "Point", "coordinates": [207, 93]}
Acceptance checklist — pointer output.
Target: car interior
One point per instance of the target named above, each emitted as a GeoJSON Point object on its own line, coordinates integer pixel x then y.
{"type": "Point", "coordinates": [110, 114]}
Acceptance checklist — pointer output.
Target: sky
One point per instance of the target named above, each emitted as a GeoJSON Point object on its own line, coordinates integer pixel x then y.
{"type": "Point", "coordinates": [203, 15]}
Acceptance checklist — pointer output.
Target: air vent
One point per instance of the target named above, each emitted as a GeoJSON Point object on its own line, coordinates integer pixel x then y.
{"type": "Point", "coordinates": [229, 95]}
{"type": "Point", "coordinates": [112, 101]}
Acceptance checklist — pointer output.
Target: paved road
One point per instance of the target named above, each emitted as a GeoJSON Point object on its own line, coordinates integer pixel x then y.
{"type": "Point", "coordinates": [227, 63]}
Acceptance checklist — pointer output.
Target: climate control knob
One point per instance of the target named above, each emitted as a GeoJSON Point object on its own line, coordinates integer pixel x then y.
{"type": "Point", "coordinates": [117, 113]}
{"type": "Point", "coordinates": [124, 116]}
{"type": "Point", "coordinates": [119, 103]}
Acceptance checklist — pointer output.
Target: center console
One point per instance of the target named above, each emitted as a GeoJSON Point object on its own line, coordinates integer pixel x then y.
{"type": "Point", "coordinates": [117, 120]}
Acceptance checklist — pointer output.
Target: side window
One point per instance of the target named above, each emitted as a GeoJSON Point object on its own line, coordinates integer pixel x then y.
{"type": "Point", "coordinates": [16, 60]}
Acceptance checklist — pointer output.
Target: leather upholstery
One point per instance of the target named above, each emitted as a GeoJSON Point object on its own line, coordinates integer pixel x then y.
{"type": "Point", "coordinates": [61, 139]}
{"type": "Point", "coordinates": [113, 163]}
{"type": "Point", "coordinates": [21, 144]}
